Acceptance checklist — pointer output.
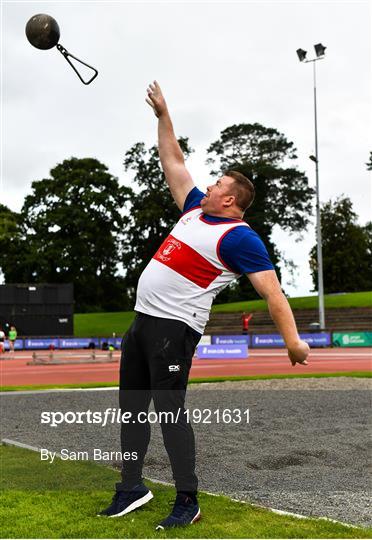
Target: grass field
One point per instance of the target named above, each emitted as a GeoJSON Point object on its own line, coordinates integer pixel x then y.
{"type": "Point", "coordinates": [359, 374]}
{"type": "Point", "coordinates": [60, 500]}
{"type": "Point", "coordinates": [348, 300]}
{"type": "Point", "coordinates": [104, 324]}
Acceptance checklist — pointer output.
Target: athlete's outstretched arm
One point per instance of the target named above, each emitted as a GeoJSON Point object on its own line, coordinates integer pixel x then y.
{"type": "Point", "coordinates": [171, 157]}
{"type": "Point", "coordinates": [267, 285]}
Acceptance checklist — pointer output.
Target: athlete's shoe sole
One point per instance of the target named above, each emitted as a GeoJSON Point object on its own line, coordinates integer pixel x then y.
{"type": "Point", "coordinates": [136, 504]}
{"type": "Point", "coordinates": [194, 520]}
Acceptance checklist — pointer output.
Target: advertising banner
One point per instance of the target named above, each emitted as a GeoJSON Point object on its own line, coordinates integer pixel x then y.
{"type": "Point", "coordinates": [352, 339]}
{"type": "Point", "coordinates": [318, 339]}
{"type": "Point", "coordinates": [41, 343]}
{"type": "Point", "coordinates": [18, 345]}
{"type": "Point", "coordinates": [231, 340]}
{"type": "Point", "coordinates": [322, 339]}
{"type": "Point", "coordinates": [267, 340]}
{"type": "Point", "coordinates": [116, 342]}
{"type": "Point", "coordinates": [222, 351]}
{"type": "Point", "coordinates": [77, 343]}
{"type": "Point", "coordinates": [205, 340]}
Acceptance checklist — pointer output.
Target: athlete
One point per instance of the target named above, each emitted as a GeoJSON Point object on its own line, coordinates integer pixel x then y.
{"type": "Point", "coordinates": [2, 340]}
{"type": "Point", "coordinates": [209, 247]}
{"type": "Point", "coordinates": [12, 336]}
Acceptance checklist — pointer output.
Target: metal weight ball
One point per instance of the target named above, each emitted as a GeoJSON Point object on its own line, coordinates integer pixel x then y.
{"type": "Point", "coordinates": [42, 31]}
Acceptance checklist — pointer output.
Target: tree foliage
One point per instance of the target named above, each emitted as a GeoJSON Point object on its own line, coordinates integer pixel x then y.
{"type": "Point", "coordinates": [10, 238]}
{"type": "Point", "coordinates": [283, 195]}
{"type": "Point", "coordinates": [347, 249]}
{"type": "Point", "coordinates": [8, 228]}
{"type": "Point", "coordinates": [69, 231]}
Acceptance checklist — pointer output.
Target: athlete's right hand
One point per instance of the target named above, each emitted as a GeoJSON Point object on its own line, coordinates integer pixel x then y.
{"type": "Point", "coordinates": [156, 99]}
{"type": "Point", "coordinates": [298, 353]}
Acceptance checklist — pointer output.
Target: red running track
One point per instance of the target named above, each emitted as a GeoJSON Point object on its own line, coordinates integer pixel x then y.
{"type": "Point", "coordinates": [15, 371]}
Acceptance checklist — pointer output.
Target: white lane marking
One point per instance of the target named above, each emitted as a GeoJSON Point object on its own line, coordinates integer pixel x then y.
{"type": "Point", "coordinates": [9, 442]}
{"type": "Point", "coordinates": [253, 352]}
{"type": "Point", "coordinates": [45, 354]}
{"type": "Point", "coordinates": [313, 352]}
{"type": "Point", "coordinates": [60, 369]}
{"type": "Point", "coordinates": [316, 353]}
{"type": "Point", "coordinates": [249, 362]}
{"type": "Point", "coordinates": [53, 390]}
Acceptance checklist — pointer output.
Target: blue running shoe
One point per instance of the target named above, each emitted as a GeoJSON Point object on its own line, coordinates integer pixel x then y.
{"type": "Point", "coordinates": [124, 502]}
{"type": "Point", "coordinates": [185, 512]}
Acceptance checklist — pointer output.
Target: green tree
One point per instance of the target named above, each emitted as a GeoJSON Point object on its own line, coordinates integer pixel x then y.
{"type": "Point", "coordinates": [153, 211]}
{"type": "Point", "coordinates": [9, 221]}
{"type": "Point", "coordinates": [70, 232]}
{"type": "Point", "coordinates": [283, 195]}
{"type": "Point", "coordinates": [347, 249]}
{"type": "Point", "coordinates": [10, 238]}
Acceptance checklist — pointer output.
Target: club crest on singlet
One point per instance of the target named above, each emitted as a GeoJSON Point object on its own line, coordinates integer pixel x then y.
{"type": "Point", "coordinates": [170, 245]}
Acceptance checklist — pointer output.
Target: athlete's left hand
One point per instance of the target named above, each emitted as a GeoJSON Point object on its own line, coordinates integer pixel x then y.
{"type": "Point", "coordinates": [298, 353]}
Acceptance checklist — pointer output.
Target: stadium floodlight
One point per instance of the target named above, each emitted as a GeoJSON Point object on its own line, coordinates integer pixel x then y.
{"type": "Point", "coordinates": [301, 54]}
{"type": "Point", "coordinates": [319, 49]}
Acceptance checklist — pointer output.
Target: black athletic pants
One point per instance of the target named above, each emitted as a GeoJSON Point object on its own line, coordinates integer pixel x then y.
{"type": "Point", "coordinates": [155, 363]}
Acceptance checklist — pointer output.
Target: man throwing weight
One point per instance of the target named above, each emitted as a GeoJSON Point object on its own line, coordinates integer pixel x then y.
{"type": "Point", "coordinates": [209, 247]}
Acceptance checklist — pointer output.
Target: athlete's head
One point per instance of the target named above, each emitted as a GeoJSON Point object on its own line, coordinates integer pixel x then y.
{"type": "Point", "coordinates": [232, 194]}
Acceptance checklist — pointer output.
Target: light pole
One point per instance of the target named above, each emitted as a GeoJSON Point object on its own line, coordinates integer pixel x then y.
{"type": "Point", "coordinates": [319, 51]}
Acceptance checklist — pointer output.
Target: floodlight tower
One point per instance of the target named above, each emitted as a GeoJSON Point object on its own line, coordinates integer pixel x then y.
{"type": "Point", "coordinates": [319, 51]}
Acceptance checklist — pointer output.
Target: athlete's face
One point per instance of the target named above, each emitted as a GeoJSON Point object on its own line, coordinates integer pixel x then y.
{"type": "Point", "coordinates": [219, 196]}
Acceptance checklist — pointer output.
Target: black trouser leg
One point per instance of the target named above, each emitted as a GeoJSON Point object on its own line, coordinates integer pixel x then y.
{"type": "Point", "coordinates": [170, 357]}
{"type": "Point", "coordinates": [178, 436]}
{"type": "Point", "coordinates": [135, 435]}
{"type": "Point", "coordinates": [134, 397]}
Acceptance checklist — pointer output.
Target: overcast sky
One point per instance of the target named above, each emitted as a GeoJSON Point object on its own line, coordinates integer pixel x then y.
{"type": "Point", "coordinates": [219, 63]}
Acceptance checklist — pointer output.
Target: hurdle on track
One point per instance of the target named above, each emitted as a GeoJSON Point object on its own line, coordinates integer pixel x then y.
{"type": "Point", "coordinates": [57, 358]}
